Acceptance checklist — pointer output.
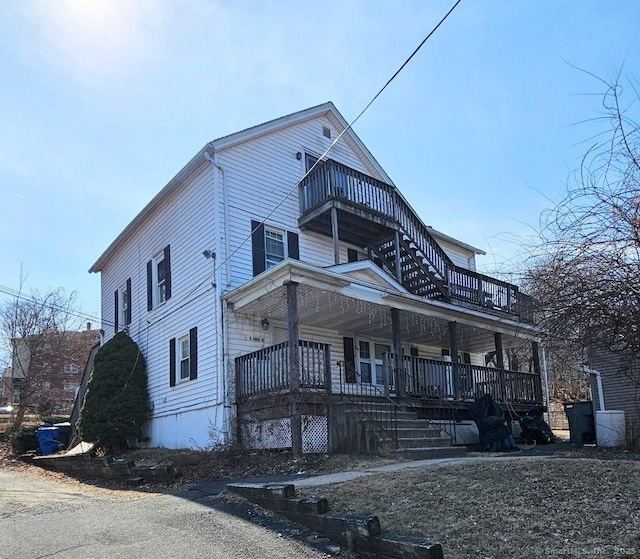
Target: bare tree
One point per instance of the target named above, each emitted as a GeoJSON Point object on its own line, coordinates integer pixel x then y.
{"type": "Point", "coordinates": [35, 331]}
{"type": "Point", "coordinates": [585, 275]}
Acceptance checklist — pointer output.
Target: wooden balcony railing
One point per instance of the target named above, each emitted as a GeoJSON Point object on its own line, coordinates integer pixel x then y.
{"type": "Point", "coordinates": [332, 180]}
{"type": "Point", "coordinates": [431, 378]}
{"type": "Point", "coordinates": [267, 370]}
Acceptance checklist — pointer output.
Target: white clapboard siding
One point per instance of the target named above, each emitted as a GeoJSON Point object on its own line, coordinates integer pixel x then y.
{"type": "Point", "coordinates": [459, 256]}
{"type": "Point", "coordinates": [186, 223]}
{"type": "Point", "coordinates": [259, 174]}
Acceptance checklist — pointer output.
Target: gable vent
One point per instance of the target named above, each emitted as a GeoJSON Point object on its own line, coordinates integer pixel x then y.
{"type": "Point", "coordinates": [326, 132]}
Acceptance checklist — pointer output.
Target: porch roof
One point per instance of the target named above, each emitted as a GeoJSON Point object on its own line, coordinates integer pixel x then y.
{"type": "Point", "coordinates": [357, 297]}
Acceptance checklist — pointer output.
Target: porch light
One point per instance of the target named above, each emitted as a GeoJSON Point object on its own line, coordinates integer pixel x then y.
{"type": "Point", "coordinates": [265, 324]}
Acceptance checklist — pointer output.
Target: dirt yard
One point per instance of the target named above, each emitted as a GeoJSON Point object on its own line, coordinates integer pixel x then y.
{"type": "Point", "coordinates": [508, 509]}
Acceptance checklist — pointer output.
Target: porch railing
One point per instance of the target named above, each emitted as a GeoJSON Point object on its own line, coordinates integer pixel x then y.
{"type": "Point", "coordinates": [332, 180]}
{"type": "Point", "coordinates": [268, 370]}
{"type": "Point", "coordinates": [434, 379]}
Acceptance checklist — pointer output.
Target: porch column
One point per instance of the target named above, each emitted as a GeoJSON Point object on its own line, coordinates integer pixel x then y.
{"type": "Point", "coordinates": [500, 364]}
{"type": "Point", "coordinates": [398, 260]}
{"type": "Point", "coordinates": [336, 235]}
{"type": "Point", "coordinates": [535, 353]}
{"type": "Point", "coordinates": [499, 351]}
{"type": "Point", "coordinates": [453, 352]}
{"type": "Point", "coordinates": [294, 363]}
{"type": "Point", "coordinates": [397, 354]}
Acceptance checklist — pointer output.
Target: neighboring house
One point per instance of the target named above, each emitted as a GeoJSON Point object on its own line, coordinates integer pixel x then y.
{"type": "Point", "coordinates": [47, 369]}
{"type": "Point", "coordinates": [269, 310]}
{"type": "Point", "coordinates": [5, 386]}
{"type": "Point", "coordinates": [620, 384]}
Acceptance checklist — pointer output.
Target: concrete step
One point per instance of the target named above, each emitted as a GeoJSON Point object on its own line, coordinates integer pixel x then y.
{"type": "Point", "coordinates": [430, 452]}
{"type": "Point", "coordinates": [422, 431]}
{"type": "Point", "coordinates": [408, 443]}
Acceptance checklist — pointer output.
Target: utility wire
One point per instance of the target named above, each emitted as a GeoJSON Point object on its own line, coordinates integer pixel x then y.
{"type": "Point", "coordinates": [350, 125]}
{"type": "Point", "coordinates": [293, 188]}
{"type": "Point", "coordinates": [17, 295]}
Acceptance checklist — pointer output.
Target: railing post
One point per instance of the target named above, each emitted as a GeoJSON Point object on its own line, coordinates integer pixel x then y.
{"type": "Point", "coordinates": [385, 373]}
{"type": "Point", "coordinates": [293, 335]}
{"type": "Point", "coordinates": [453, 351]}
{"type": "Point", "coordinates": [503, 385]}
{"type": "Point", "coordinates": [327, 369]}
{"type": "Point", "coordinates": [397, 352]}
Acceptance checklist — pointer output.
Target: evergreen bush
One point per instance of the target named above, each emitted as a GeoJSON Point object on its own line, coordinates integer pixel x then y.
{"type": "Point", "coordinates": [117, 402]}
{"type": "Point", "coordinates": [23, 440]}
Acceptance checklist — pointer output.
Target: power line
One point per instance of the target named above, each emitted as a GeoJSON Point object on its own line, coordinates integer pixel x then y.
{"type": "Point", "coordinates": [319, 160]}
{"type": "Point", "coordinates": [17, 295]}
{"type": "Point", "coordinates": [349, 126]}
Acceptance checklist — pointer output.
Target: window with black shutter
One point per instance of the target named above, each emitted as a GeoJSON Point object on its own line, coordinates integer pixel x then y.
{"type": "Point", "coordinates": [159, 278]}
{"type": "Point", "coordinates": [270, 246]}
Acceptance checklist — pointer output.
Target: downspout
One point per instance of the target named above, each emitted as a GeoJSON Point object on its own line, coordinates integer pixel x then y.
{"type": "Point", "coordinates": [598, 376]}
{"type": "Point", "coordinates": [221, 252]}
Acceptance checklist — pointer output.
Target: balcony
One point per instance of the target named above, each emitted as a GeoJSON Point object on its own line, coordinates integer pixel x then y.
{"type": "Point", "coordinates": [337, 201]}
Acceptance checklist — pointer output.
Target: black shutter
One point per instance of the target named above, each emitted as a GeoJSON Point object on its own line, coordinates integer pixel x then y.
{"type": "Point", "coordinates": [167, 270]}
{"type": "Point", "coordinates": [352, 255]}
{"type": "Point", "coordinates": [149, 285]}
{"type": "Point", "coordinates": [193, 353]}
{"type": "Point", "coordinates": [349, 360]}
{"type": "Point", "coordinates": [257, 247]}
{"type": "Point", "coordinates": [172, 362]}
{"type": "Point", "coordinates": [127, 318]}
{"type": "Point", "coordinates": [413, 351]}
{"type": "Point", "coordinates": [293, 250]}
{"type": "Point", "coordinates": [115, 311]}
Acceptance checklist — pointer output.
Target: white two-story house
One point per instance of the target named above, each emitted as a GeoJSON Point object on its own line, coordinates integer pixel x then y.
{"type": "Point", "coordinates": [286, 309]}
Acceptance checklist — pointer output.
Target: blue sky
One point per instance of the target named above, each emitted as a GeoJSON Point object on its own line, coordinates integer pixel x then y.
{"type": "Point", "coordinates": [102, 102]}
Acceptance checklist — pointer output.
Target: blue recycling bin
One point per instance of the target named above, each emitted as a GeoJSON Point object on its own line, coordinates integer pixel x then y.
{"type": "Point", "coordinates": [49, 439]}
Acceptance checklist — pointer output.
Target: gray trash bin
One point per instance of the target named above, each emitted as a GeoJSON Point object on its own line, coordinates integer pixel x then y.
{"type": "Point", "coordinates": [582, 428]}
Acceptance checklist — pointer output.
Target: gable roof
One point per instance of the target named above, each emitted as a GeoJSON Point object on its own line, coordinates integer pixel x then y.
{"type": "Point", "coordinates": [326, 109]}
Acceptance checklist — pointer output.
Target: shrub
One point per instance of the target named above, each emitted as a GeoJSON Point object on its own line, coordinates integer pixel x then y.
{"type": "Point", "coordinates": [24, 440]}
{"type": "Point", "coordinates": [117, 401]}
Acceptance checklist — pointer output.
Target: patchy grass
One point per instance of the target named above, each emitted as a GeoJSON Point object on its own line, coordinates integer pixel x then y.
{"type": "Point", "coordinates": [235, 462]}
{"type": "Point", "coordinates": [507, 509]}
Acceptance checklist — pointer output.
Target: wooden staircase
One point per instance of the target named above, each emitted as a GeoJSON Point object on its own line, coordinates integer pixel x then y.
{"type": "Point", "coordinates": [417, 273]}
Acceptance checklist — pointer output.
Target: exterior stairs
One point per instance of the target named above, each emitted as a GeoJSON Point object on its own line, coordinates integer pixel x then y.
{"type": "Point", "coordinates": [418, 275]}
{"type": "Point", "coordinates": [417, 439]}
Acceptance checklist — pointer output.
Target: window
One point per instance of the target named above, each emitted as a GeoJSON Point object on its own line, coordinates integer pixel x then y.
{"type": "Point", "coordinates": [463, 356]}
{"type": "Point", "coordinates": [48, 348]}
{"type": "Point", "coordinates": [70, 369]}
{"type": "Point", "coordinates": [270, 246]}
{"type": "Point", "coordinates": [310, 161]}
{"type": "Point", "coordinates": [365, 361]}
{"type": "Point", "coordinates": [368, 365]}
{"type": "Point", "coordinates": [183, 358]}
{"type": "Point", "coordinates": [69, 386]}
{"type": "Point", "coordinates": [122, 305]}
{"type": "Point", "coordinates": [46, 385]}
{"type": "Point", "coordinates": [161, 279]}
{"type": "Point", "coordinates": [158, 279]}
{"type": "Point", "coordinates": [274, 248]}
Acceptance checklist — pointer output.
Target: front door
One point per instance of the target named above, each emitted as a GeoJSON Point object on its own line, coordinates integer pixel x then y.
{"type": "Point", "coordinates": [371, 361]}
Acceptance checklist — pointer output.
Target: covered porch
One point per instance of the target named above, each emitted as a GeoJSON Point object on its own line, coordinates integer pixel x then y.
{"type": "Point", "coordinates": [350, 333]}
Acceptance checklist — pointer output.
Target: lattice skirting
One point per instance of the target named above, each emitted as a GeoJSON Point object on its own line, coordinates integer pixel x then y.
{"type": "Point", "coordinates": [276, 434]}
{"type": "Point", "coordinates": [314, 434]}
